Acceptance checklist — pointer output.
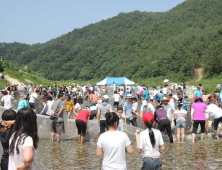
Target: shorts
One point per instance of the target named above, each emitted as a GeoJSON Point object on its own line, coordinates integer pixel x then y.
{"type": "Point", "coordinates": [32, 105]}
{"type": "Point", "coordinates": [196, 124]}
{"type": "Point", "coordinates": [57, 127]}
{"type": "Point", "coordinates": [181, 124]}
{"type": "Point", "coordinates": [216, 122]}
{"type": "Point", "coordinates": [81, 126]}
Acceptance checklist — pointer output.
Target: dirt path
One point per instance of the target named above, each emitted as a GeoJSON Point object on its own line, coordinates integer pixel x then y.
{"type": "Point", "coordinates": [199, 73]}
{"type": "Point", "coordinates": [11, 80]}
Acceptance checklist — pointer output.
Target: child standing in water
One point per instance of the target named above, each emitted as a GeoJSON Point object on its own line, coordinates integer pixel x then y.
{"type": "Point", "coordinates": [185, 103]}
{"type": "Point", "coordinates": [180, 116]}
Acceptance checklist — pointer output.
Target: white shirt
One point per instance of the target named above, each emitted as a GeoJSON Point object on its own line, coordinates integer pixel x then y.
{"type": "Point", "coordinates": [172, 86]}
{"type": "Point", "coordinates": [146, 145]}
{"type": "Point", "coordinates": [214, 111]}
{"type": "Point", "coordinates": [77, 107]}
{"type": "Point", "coordinates": [181, 114]}
{"type": "Point", "coordinates": [121, 93]}
{"type": "Point", "coordinates": [172, 104]}
{"type": "Point", "coordinates": [32, 97]}
{"type": "Point", "coordinates": [116, 97]}
{"type": "Point", "coordinates": [49, 106]}
{"type": "Point", "coordinates": [169, 110]}
{"type": "Point", "coordinates": [164, 90]}
{"type": "Point", "coordinates": [147, 108]}
{"type": "Point", "coordinates": [7, 101]}
{"type": "Point", "coordinates": [93, 108]}
{"type": "Point", "coordinates": [16, 160]}
{"type": "Point", "coordinates": [114, 144]}
{"type": "Point", "coordinates": [134, 106]}
{"type": "Point", "coordinates": [175, 85]}
{"type": "Point", "coordinates": [154, 92]}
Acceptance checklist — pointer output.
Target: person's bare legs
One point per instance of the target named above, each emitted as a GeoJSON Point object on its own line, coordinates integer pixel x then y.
{"type": "Point", "coordinates": [69, 114]}
{"type": "Point", "coordinates": [82, 139]}
{"type": "Point", "coordinates": [206, 126]}
{"type": "Point", "coordinates": [202, 136]}
{"type": "Point", "coordinates": [79, 138]}
{"type": "Point", "coordinates": [178, 135]}
{"type": "Point", "coordinates": [193, 137]}
{"type": "Point", "coordinates": [58, 138]}
{"type": "Point", "coordinates": [52, 137]}
{"type": "Point", "coordinates": [216, 134]}
{"type": "Point", "coordinates": [183, 134]}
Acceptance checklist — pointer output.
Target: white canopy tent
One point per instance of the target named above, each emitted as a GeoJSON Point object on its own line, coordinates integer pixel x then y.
{"type": "Point", "coordinates": [117, 80]}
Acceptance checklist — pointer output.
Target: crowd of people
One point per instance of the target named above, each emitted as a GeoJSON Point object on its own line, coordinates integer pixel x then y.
{"type": "Point", "coordinates": [161, 110]}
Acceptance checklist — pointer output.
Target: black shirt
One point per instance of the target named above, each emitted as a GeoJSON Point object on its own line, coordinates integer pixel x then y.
{"type": "Point", "coordinates": [5, 135]}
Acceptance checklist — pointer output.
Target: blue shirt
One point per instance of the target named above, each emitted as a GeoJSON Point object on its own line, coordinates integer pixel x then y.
{"type": "Point", "coordinates": [198, 93]}
{"type": "Point", "coordinates": [22, 104]}
{"type": "Point", "coordinates": [159, 97]}
{"type": "Point", "coordinates": [127, 92]}
{"type": "Point", "coordinates": [219, 98]}
{"type": "Point", "coordinates": [128, 108]}
{"type": "Point", "coordinates": [146, 94]}
{"type": "Point", "coordinates": [185, 103]}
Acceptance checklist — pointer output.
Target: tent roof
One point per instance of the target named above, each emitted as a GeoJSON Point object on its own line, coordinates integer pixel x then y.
{"type": "Point", "coordinates": [117, 80]}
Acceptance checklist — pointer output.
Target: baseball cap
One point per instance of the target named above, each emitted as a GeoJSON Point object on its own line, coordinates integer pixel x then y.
{"type": "Point", "coordinates": [148, 117]}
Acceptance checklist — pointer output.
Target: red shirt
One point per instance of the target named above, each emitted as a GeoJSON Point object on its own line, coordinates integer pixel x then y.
{"type": "Point", "coordinates": [83, 115]}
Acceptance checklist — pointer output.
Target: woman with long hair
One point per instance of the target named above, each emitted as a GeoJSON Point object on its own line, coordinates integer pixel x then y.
{"type": "Point", "coordinates": [150, 141]}
{"type": "Point", "coordinates": [113, 145]}
{"type": "Point", "coordinates": [23, 141]}
{"type": "Point", "coordinates": [180, 116]}
{"type": "Point", "coordinates": [198, 117]}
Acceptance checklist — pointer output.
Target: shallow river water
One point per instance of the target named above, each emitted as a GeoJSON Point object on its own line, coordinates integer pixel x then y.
{"type": "Point", "coordinates": [70, 155]}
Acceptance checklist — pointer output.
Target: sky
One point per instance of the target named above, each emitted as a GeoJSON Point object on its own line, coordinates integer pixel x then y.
{"type": "Point", "coordinates": [38, 21]}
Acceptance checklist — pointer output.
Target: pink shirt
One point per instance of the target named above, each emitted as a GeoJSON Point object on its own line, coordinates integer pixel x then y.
{"type": "Point", "coordinates": [140, 92]}
{"type": "Point", "coordinates": [199, 110]}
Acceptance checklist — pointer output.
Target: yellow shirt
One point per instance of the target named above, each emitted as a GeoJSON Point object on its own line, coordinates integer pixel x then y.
{"type": "Point", "coordinates": [69, 105]}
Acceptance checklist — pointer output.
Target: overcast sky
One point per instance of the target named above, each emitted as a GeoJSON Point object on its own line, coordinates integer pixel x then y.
{"type": "Point", "coordinates": [38, 21]}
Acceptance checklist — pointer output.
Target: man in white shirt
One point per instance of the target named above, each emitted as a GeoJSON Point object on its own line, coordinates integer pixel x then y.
{"type": "Point", "coordinates": [7, 99]}
{"type": "Point", "coordinates": [146, 107]}
{"type": "Point", "coordinates": [32, 99]}
{"type": "Point", "coordinates": [116, 99]}
{"type": "Point", "coordinates": [47, 106]}
{"type": "Point", "coordinates": [216, 113]}
{"type": "Point", "coordinates": [173, 100]}
{"type": "Point", "coordinates": [166, 105]}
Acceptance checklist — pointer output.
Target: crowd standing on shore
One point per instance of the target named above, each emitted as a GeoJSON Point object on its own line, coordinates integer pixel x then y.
{"type": "Point", "coordinates": [158, 109]}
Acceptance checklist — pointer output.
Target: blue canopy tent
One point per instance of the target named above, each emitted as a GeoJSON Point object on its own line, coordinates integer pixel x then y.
{"type": "Point", "coordinates": [118, 81]}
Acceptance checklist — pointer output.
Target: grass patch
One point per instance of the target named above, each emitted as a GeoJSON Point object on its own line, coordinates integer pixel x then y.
{"type": "Point", "coordinates": [3, 84]}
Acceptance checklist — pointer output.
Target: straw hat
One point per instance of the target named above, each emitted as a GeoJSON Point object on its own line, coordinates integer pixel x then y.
{"type": "Point", "coordinates": [164, 99]}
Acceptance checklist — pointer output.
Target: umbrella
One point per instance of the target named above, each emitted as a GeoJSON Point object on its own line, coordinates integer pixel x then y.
{"type": "Point", "coordinates": [166, 81]}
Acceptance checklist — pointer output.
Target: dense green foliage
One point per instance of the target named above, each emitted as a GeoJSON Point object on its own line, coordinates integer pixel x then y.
{"type": "Point", "coordinates": [137, 45]}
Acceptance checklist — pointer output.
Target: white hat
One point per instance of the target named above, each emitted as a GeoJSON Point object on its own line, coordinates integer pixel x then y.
{"type": "Point", "coordinates": [175, 97]}
{"type": "Point", "coordinates": [105, 97]}
{"type": "Point", "coordinates": [144, 102]}
{"type": "Point", "coordinates": [129, 96]}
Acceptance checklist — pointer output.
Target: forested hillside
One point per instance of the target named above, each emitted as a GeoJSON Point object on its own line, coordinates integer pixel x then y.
{"type": "Point", "coordinates": [137, 45]}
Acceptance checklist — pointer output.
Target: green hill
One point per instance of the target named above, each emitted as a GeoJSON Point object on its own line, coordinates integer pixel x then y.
{"type": "Point", "coordinates": [137, 45]}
